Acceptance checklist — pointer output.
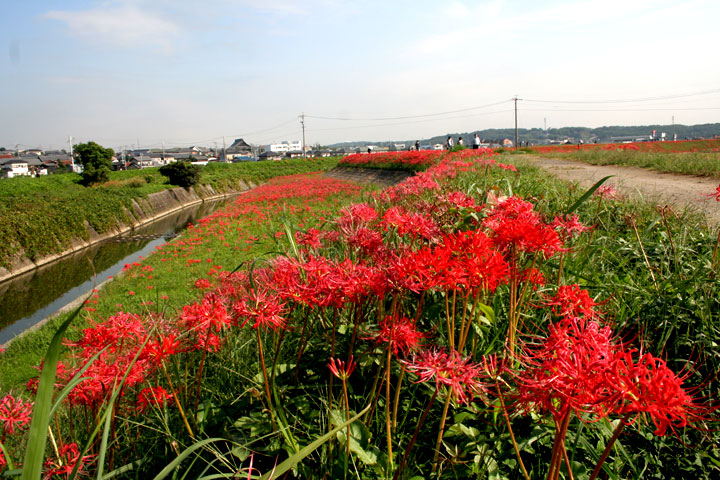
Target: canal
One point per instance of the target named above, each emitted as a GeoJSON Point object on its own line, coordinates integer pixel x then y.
{"type": "Point", "coordinates": [32, 297]}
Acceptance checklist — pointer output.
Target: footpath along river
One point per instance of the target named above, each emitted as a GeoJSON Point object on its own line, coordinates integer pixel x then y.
{"type": "Point", "coordinates": [30, 298]}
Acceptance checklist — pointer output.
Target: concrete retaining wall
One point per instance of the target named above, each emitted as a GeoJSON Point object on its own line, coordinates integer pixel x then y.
{"type": "Point", "coordinates": [142, 211]}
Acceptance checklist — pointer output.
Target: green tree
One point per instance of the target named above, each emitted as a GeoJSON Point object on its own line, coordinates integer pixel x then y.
{"type": "Point", "coordinates": [182, 174]}
{"type": "Point", "coordinates": [96, 161]}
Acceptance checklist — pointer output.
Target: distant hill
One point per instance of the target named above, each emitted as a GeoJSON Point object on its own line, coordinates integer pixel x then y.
{"type": "Point", "coordinates": [573, 134]}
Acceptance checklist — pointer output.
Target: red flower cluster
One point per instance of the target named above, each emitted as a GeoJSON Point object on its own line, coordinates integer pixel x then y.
{"type": "Point", "coordinates": [463, 378]}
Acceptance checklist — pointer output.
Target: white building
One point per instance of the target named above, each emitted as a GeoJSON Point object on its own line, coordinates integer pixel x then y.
{"type": "Point", "coordinates": [14, 167]}
{"type": "Point", "coordinates": [284, 147]}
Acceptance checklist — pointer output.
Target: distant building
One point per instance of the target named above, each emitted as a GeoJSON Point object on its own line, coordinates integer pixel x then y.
{"type": "Point", "coordinates": [14, 167]}
{"type": "Point", "coordinates": [239, 148]}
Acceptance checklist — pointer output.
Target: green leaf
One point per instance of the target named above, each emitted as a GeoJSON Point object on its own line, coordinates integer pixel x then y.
{"type": "Point", "coordinates": [304, 452]}
{"type": "Point", "coordinates": [37, 435]}
{"type": "Point", "coordinates": [587, 194]}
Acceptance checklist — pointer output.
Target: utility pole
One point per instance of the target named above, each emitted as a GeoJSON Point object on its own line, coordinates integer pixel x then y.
{"type": "Point", "coordinates": [72, 158]}
{"type": "Point", "coordinates": [515, 98]}
{"type": "Point", "coordinates": [302, 122]}
{"type": "Point", "coordinates": [163, 147]}
{"type": "Point", "coordinates": [224, 157]}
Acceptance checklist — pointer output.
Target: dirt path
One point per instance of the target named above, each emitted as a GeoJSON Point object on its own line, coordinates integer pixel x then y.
{"type": "Point", "coordinates": [678, 191]}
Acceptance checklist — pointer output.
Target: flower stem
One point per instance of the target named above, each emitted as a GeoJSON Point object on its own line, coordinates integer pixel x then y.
{"type": "Point", "coordinates": [440, 432]}
{"type": "Point", "coordinates": [512, 435]}
{"type": "Point", "coordinates": [177, 401]}
{"type": "Point", "coordinates": [608, 447]}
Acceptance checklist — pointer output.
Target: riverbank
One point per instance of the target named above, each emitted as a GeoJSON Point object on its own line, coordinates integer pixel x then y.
{"type": "Point", "coordinates": [44, 219]}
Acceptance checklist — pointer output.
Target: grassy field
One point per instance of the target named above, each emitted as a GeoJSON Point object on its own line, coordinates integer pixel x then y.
{"type": "Point", "coordinates": [699, 157]}
{"type": "Point", "coordinates": [462, 324]}
{"type": "Point", "coordinates": [40, 216]}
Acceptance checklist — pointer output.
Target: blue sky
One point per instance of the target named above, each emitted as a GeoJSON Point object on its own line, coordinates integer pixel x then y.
{"type": "Point", "coordinates": [181, 72]}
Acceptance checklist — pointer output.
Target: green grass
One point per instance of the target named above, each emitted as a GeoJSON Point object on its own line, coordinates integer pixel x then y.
{"type": "Point", "coordinates": [706, 164]}
{"type": "Point", "coordinates": [41, 216]}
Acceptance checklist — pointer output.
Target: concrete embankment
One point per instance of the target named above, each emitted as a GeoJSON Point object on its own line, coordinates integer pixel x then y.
{"type": "Point", "coordinates": [375, 176]}
{"type": "Point", "coordinates": [142, 211]}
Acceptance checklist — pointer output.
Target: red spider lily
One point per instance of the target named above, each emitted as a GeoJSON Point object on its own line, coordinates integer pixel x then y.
{"type": "Point", "coordinates": [648, 386]}
{"type": "Point", "coordinates": [202, 284]}
{"type": "Point", "coordinates": [118, 330]}
{"type": "Point", "coordinates": [311, 238]}
{"type": "Point", "coordinates": [607, 192]}
{"type": "Point", "coordinates": [340, 369]}
{"type": "Point", "coordinates": [358, 214]}
{"type": "Point", "coordinates": [63, 465]}
{"type": "Point", "coordinates": [14, 413]}
{"type": "Point", "coordinates": [565, 373]}
{"type": "Point", "coordinates": [161, 348]}
{"type": "Point", "coordinates": [399, 333]}
{"type": "Point", "coordinates": [569, 226]}
{"type": "Point", "coordinates": [514, 224]}
{"type": "Point", "coordinates": [716, 194]}
{"type": "Point", "coordinates": [459, 200]}
{"type": "Point", "coordinates": [573, 301]}
{"type": "Point", "coordinates": [463, 378]}
{"type": "Point", "coordinates": [413, 224]}
{"type": "Point", "coordinates": [210, 313]}
{"type": "Point", "coordinates": [262, 308]}
{"type": "Point", "coordinates": [152, 397]}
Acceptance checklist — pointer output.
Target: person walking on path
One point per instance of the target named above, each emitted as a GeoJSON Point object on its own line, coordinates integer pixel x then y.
{"type": "Point", "coordinates": [449, 143]}
{"type": "Point", "coordinates": [461, 142]}
{"type": "Point", "coordinates": [417, 145]}
{"type": "Point", "coordinates": [476, 142]}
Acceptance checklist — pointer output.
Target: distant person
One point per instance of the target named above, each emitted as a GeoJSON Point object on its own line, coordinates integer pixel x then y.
{"type": "Point", "coordinates": [417, 145]}
{"type": "Point", "coordinates": [449, 143]}
{"type": "Point", "coordinates": [369, 149]}
{"type": "Point", "coordinates": [461, 142]}
{"type": "Point", "coordinates": [476, 142]}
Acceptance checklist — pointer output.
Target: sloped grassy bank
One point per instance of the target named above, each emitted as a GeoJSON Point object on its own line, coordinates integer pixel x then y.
{"type": "Point", "coordinates": [380, 310]}
{"type": "Point", "coordinates": [41, 218]}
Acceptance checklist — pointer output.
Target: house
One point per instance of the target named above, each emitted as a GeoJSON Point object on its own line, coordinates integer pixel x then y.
{"type": "Point", "coordinates": [239, 148]}
{"type": "Point", "coordinates": [161, 158]}
{"type": "Point", "coordinates": [271, 155]}
{"type": "Point", "coordinates": [14, 167]}
{"type": "Point", "coordinates": [294, 154]}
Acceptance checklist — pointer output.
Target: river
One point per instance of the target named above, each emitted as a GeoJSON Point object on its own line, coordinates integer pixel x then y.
{"type": "Point", "coordinates": [32, 297]}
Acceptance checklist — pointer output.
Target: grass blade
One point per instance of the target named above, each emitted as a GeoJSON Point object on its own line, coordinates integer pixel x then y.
{"type": "Point", "coordinates": [185, 454]}
{"type": "Point", "coordinates": [296, 458]}
{"type": "Point", "coordinates": [587, 194]}
{"type": "Point", "coordinates": [37, 436]}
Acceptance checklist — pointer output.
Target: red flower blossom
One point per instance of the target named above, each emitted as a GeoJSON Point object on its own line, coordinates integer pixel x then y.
{"type": "Point", "coordinates": [715, 194]}
{"type": "Point", "coordinates": [573, 301]}
{"type": "Point", "coordinates": [262, 309]}
{"type": "Point", "coordinates": [14, 413]}
{"type": "Point", "coordinates": [399, 333]}
{"type": "Point", "coordinates": [565, 373]}
{"type": "Point", "coordinates": [64, 463]}
{"type": "Point", "coordinates": [152, 397]}
{"type": "Point", "coordinates": [646, 386]}
{"type": "Point", "coordinates": [340, 369]}
{"type": "Point", "coordinates": [463, 378]}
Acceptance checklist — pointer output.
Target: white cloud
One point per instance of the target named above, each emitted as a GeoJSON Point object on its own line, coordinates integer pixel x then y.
{"type": "Point", "coordinates": [124, 25]}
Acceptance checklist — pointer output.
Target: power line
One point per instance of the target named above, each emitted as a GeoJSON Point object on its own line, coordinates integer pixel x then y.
{"type": "Point", "coordinates": [409, 116]}
{"type": "Point", "coordinates": [646, 99]}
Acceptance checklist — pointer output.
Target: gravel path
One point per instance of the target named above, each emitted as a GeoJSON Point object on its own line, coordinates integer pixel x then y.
{"type": "Point", "coordinates": [678, 191]}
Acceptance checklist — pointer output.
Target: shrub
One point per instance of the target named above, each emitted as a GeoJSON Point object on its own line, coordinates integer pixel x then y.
{"type": "Point", "coordinates": [96, 161]}
{"type": "Point", "coordinates": [182, 174]}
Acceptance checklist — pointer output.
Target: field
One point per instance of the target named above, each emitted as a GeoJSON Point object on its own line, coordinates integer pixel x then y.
{"type": "Point", "coordinates": [696, 157]}
{"type": "Point", "coordinates": [479, 320]}
{"type": "Point", "coordinates": [41, 216]}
